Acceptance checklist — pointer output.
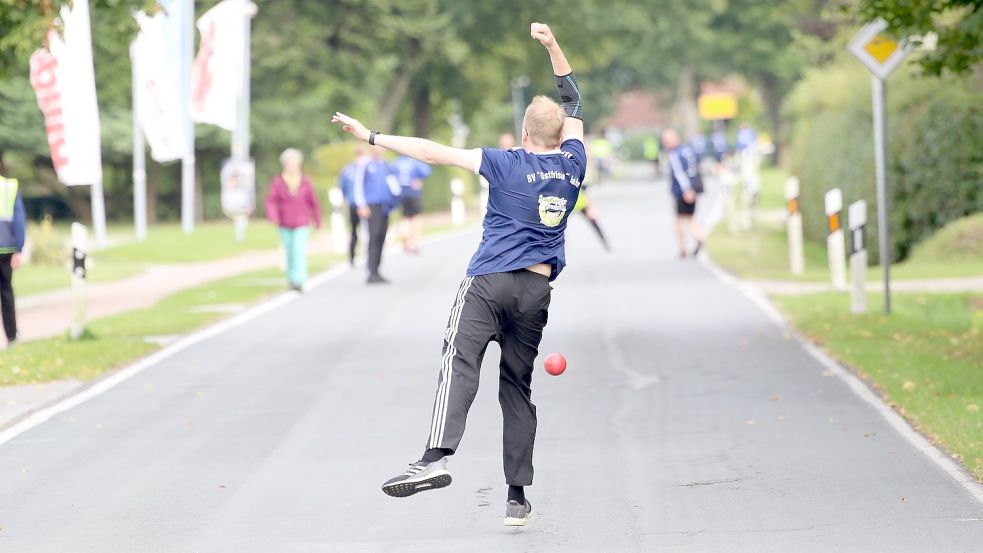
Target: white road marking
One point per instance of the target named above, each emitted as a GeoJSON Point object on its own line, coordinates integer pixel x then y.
{"type": "Point", "coordinates": [105, 384]}
{"type": "Point", "coordinates": [948, 465]}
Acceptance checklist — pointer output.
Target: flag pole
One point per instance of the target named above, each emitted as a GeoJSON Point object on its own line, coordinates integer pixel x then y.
{"type": "Point", "coordinates": [240, 134]}
{"type": "Point", "coordinates": [139, 164]}
{"type": "Point", "coordinates": [188, 161]}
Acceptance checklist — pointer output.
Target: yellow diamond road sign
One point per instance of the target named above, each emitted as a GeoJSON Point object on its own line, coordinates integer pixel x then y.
{"type": "Point", "coordinates": [878, 52]}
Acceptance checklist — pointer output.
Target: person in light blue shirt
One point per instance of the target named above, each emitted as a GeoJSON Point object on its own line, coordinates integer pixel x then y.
{"type": "Point", "coordinates": [411, 173]}
{"type": "Point", "coordinates": [505, 294]}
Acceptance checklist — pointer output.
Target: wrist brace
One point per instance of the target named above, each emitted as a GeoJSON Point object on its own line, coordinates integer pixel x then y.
{"type": "Point", "coordinates": [570, 96]}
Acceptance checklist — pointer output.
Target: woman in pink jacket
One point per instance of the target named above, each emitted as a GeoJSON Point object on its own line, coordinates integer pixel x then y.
{"type": "Point", "coordinates": [292, 205]}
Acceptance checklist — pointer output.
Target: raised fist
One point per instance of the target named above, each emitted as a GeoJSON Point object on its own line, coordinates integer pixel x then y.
{"type": "Point", "coordinates": [542, 33]}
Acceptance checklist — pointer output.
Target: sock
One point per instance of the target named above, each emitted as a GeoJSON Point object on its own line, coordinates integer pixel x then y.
{"type": "Point", "coordinates": [435, 454]}
{"type": "Point", "coordinates": [516, 493]}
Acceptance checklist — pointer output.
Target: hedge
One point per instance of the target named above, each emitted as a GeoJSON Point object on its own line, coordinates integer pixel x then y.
{"type": "Point", "coordinates": [935, 149]}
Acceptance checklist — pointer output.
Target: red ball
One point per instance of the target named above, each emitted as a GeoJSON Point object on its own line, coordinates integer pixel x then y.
{"type": "Point", "coordinates": [555, 364]}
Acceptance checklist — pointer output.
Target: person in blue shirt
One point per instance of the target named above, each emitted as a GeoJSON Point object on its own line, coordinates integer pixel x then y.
{"type": "Point", "coordinates": [411, 173]}
{"type": "Point", "coordinates": [506, 292]}
{"type": "Point", "coordinates": [374, 192]}
{"type": "Point", "coordinates": [719, 142]}
{"type": "Point", "coordinates": [346, 181]}
{"type": "Point", "coordinates": [746, 137]}
{"type": "Point", "coordinates": [12, 226]}
{"type": "Point", "coordinates": [684, 172]}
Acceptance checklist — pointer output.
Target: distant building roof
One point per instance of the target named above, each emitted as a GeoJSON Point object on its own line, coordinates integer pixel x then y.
{"type": "Point", "coordinates": [637, 110]}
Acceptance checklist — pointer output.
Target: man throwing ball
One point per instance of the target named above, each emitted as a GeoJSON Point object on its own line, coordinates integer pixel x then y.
{"type": "Point", "coordinates": [506, 293]}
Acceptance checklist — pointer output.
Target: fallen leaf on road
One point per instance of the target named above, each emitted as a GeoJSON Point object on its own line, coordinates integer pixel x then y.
{"type": "Point", "coordinates": [827, 374]}
{"type": "Point", "coordinates": [780, 418]}
{"type": "Point", "coordinates": [751, 423]}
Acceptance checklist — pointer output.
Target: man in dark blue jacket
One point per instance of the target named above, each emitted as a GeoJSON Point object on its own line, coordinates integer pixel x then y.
{"type": "Point", "coordinates": [683, 172]}
{"type": "Point", "coordinates": [12, 221]}
{"type": "Point", "coordinates": [375, 191]}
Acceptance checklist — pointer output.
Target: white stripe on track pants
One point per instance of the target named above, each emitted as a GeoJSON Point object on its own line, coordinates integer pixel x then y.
{"type": "Point", "coordinates": [511, 309]}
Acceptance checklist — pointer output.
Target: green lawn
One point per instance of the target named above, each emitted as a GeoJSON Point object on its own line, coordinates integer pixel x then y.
{"type": "Point", "coordinates": [121, 339]}
{"type": "Point", "coordinates": [772, 192]}
{"type": "Point", "coordinates": [926, 358]}
{"type": "Point", "coordinates": [167, 243]}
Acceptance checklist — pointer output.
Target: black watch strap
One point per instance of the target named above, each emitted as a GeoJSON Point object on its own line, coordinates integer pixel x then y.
{"type": "Point", "coordinates": [372, 135]}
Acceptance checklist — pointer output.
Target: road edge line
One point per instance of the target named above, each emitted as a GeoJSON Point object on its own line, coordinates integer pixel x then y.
{"type": "Point", "coordinates": [104, 384]}
{"type": "Point", "coordinates": [948, 465]}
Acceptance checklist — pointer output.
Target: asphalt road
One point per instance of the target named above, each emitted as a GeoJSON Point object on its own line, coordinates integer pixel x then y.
{"type": "Point", "coordinates": [686, 421]}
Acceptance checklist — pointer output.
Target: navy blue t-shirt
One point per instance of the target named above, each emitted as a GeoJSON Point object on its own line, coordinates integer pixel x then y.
{"type": "Point", "coordinates": [530, 197]}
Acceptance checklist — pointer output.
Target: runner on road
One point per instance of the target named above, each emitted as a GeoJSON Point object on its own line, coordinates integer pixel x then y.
{"type": "Point", "coordinates": [506, 293]}
{"type": "Point", "coordinates": [411, 173]}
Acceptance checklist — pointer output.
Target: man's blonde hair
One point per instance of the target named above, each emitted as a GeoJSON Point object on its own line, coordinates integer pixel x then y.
{"type": "Point", "coordinates": [544, 122]}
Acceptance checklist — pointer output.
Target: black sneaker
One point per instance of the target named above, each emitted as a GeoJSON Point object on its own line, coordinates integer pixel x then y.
{"type": "Point", "coordinates": [376, 279]}
{"type": "Point", "coordinates": [419, 478]}
{"type": "Point", "coordinates": [699, 246]}
{"type": "Point", "coordinates": [517, 514]}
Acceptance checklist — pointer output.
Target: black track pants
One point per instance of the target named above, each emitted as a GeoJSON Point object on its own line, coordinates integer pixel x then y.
{"type": "Point", "coordinates": [511, 309]}
{"type": "Point", "coordinates": [7, 296]}
{"type": "Point", "coordinates": [378, 227]}
{"type": "Point", "coordinates": [353, 220]}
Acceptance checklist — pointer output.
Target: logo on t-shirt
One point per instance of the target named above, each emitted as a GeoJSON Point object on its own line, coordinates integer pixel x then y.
{"type": "Point", "coordinates": [551, 210]}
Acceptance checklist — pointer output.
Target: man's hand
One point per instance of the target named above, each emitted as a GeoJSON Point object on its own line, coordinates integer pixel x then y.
{"type": "Point", "coordinates": [364, 212]}
{"type": "Point", "coordinates": [349, 124]}
{"type": "Point", "coordinates": [542, 33]}
{"type": "Point", "coordinates": [689, 196]}
{"type": "Point", "coordinates": [15, 261]}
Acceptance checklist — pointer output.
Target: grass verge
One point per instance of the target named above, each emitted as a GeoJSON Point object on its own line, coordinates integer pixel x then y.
{"type": "Point", "coordinates": [926, 358]}
{"type": "Point", "coordinates": [120, 339]}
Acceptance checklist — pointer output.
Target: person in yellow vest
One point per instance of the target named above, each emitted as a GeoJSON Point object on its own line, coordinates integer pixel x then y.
{"type": "Point", "coordinates": [12, 221]}
{"type": "Point", "coordinates": [603, 152]}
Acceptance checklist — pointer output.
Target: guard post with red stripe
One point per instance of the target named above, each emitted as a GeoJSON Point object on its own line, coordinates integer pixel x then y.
{"type": "Point", "coordinates": [835, 247]}
{"type": "Point", "coordinates": [794, 224]}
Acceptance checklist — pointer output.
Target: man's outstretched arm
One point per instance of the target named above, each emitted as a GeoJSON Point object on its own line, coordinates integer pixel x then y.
{"type": "Point", "coordinates": [566, 84]}
{"type": "Point", "coordinates": [421, 149]}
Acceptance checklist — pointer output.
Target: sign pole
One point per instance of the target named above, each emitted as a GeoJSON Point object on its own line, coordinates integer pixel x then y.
{"type": "Point", "coordinates": [880, 163]}
{"type": "Point", "coordinates": [187, 11]}
{"type": "Point", "coordinates": [880, 54]}
{"type": "Point", "coordinates": [139, 167]}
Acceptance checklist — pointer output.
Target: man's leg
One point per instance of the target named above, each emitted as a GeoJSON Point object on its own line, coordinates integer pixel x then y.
{"type": "Point", "coordinates": [523, 332]}
{"type": "Point", "coordinates": [681, 234]}
{"type": "Point", "coordinates": [353, 220]}
{"type": "Point", "coordinates": [696, 233]}
{"type": "Point", "coordinates": [377, 238]}
{"type": "Point", "coordinates": [473, 323]}
{"type": "Point", "coordinates": [7, 297]}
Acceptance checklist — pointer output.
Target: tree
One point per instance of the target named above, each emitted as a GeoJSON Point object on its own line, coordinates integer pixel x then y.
{"type": "Point", "coordinates": [957, 24]}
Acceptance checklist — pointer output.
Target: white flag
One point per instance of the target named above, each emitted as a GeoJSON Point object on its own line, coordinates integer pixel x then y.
{"type": "Point", "coordinates": [156, 62]}
{"type": "Point", "coordinates": [218, 67]}
{"type": "Point", "coordinates": [65, 86]}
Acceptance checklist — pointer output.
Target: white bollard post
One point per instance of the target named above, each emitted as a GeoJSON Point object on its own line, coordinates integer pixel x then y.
{"type": "Point", "coordinates": [796, 258]}
{"type": "Point", "coordinates": [79, 248]}
{"type": "Point", "coordinates": [339, 238]}
{"type": "Point", "coordinates": [457, 202]}
{"type": "Point", "coordinates": [835, 248]}
{"type": "Point", "coordinates": [858, 257]}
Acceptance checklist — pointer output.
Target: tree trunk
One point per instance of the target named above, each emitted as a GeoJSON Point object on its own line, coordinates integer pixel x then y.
{"type": "Point", "coordinates": [422, 111]}
{"type": "Point", "coordinates": [773, 104]}
{"type": "Point", "coordinates": [400, 86]}
{"type": "Point", "coordinates": [686, 110]}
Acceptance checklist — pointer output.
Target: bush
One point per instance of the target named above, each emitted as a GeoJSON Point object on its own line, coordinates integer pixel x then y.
{"type": "Point", "coordinates": [935, 150]}
{"type": "Point", "coordinates": [48, 246]}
